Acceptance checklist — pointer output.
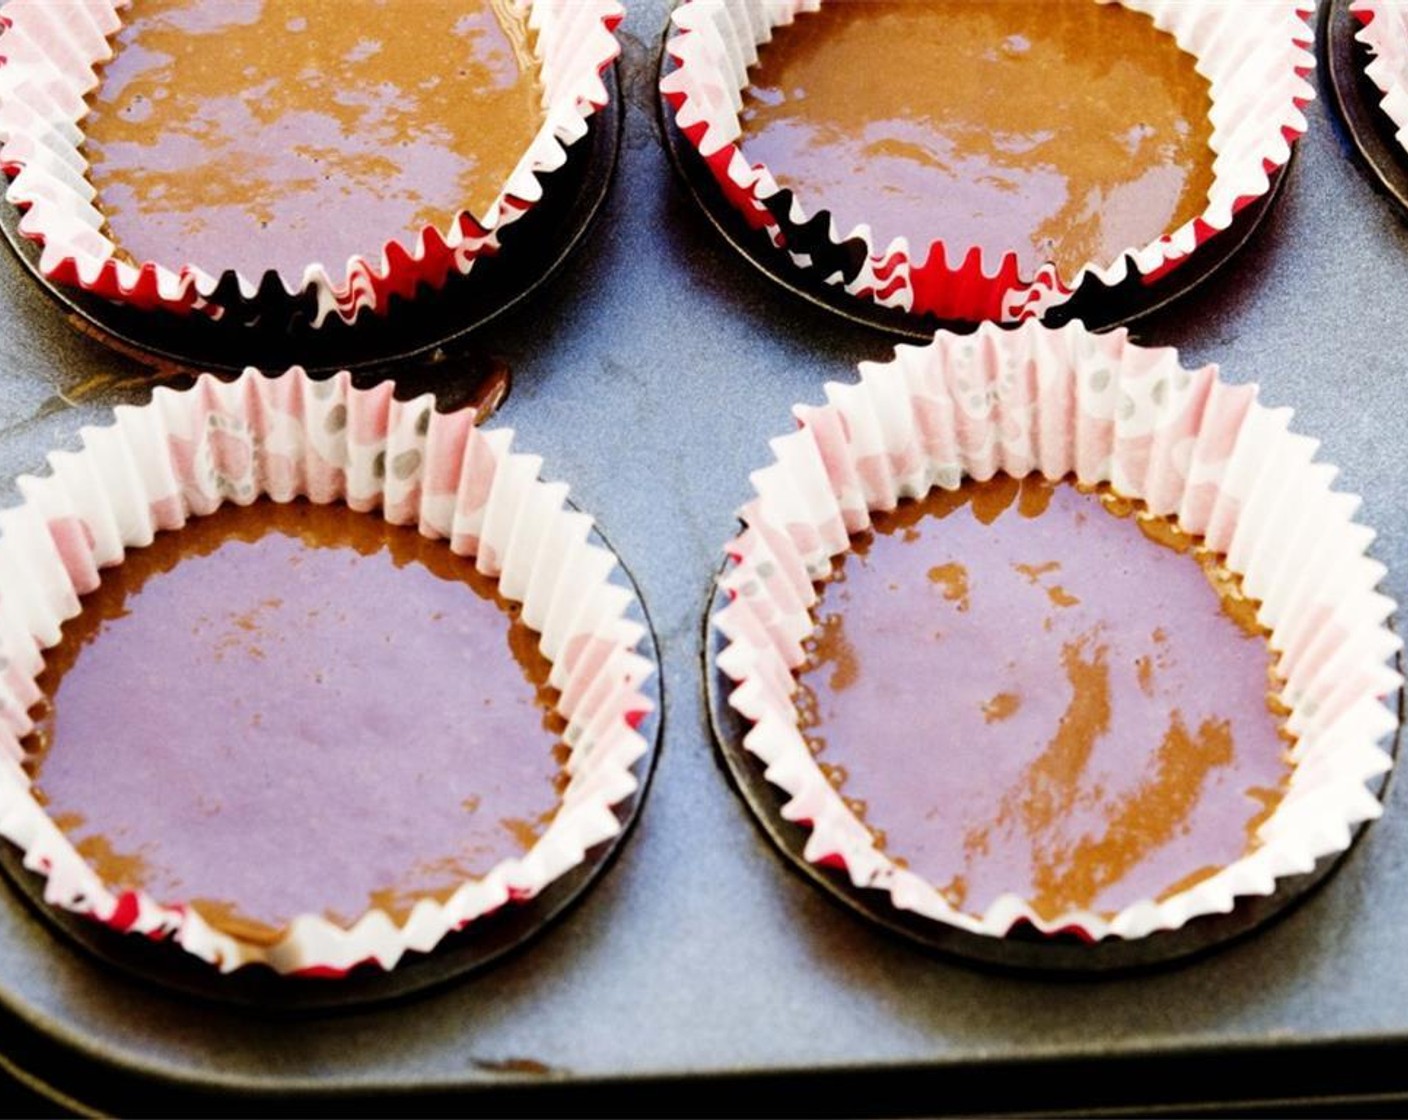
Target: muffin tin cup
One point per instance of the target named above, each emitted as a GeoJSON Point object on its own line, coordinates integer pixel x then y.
{"type": "Point", "coordinates": [275, 332]}
{"type": "Point", "coordinates": [1384, 32]}
{"type": "Point", "coordinates": [1068, 403]}
{"type": "Point", "coordinates": [1096, 305]}
{"type": "Point", "coordinates": [1023, 950]}
{"type": "Point", "coordinates": [50, 56]}
{"type": "Point", "coordinates": [1255, 57]}
{"type": "Point", "coordinates": [480, 945]}
{"type": "Point", "coordinates": [184, 455]}
{"type": "Point", "coordinates": [1369, 90]}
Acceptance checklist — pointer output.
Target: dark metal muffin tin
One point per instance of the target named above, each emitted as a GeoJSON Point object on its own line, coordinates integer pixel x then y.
{"type": "Point", "coordinates": [699, 975]}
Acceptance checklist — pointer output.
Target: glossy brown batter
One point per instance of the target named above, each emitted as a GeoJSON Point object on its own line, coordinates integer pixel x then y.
{"type": "Point", "coordinates": [258, 134]}
{"type": "Point", "coordinates": [1022, 693]}
{"type": "Point", "coordinates": [293, 709]}
{"type": "Point", "coordinates": [1059, 130]}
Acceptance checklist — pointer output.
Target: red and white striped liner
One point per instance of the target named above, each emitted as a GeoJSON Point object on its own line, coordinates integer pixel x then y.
{"type": "Point", "coordinates": [1068, 402]}
{"type": "Point", "coordinates": [184, 454]}
{"type": "Point", "coordinates": [1385, 33]}
{"type": "Point", "coordinates": [1256, 57]}
{"type": "Point", "coordinates": [48, 54]}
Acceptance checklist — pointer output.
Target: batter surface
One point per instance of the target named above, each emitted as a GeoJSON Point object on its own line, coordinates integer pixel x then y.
{"type": "Point", "coordinates": [288, 709]}
{"type": "Point", "coordinates": [1059, 130]}
{"type": "Point", "coordinates": [259, 134]}
{"type": "Point", "coordinates": [1021, 692]}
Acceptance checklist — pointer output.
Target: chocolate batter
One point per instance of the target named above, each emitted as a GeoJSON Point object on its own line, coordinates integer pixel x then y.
{"type": "Point", "coordinates": [1060, 131]}
{"type": "Point", "coordinates": [293, 709]}
{"type": "Point", "coordinates": [1022, 693]}
{"type": "Point", "coordinates": [259, 134]}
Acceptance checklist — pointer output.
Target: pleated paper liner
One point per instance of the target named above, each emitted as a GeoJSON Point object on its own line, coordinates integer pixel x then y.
{"type": "Point", "coordinates": [412, 331]}
{"type": "Point", "coordinates": [1384, 34]}
{"type": "Point", "coordinates": [1098, 305]}
{"type": "Point", "coordinates": [291, 436]}
{"type": "Point", "coordinates": [463, 953]}
{"type": "Point", "coordinates": [1259, 91]}
{"type": "Point", "coordinates": [48, 60]}
{"type": "Point", "coordinates": [1023, 950]}
{"type": "Point", "coordinates": [1359, 103]}
{"type": "Point", "coordinates": [1096, 407]}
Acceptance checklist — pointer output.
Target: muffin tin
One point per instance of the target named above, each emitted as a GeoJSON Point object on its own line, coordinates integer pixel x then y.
{"type": "Point", "coordinates": [699, 974]}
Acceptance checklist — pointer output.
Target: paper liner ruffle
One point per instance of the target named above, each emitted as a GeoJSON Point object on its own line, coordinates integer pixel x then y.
{"type": "Point", "coordinates": [48, 58]}
{"type": "Point", "coordinates": [1067, 402]}
{"type": "Point", "coordinates": [1256, 58]}
{"type": "Point", "coordinates": [289, 436]}
{"type": "Point", "coordinates": [1385, 33]}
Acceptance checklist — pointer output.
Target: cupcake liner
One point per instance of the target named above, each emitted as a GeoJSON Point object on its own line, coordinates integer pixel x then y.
{"type": "Point", "coordinates": [1385, 33]}
{"type": "Point", "coordinates": [1256, 58]}
{"type": "Point", "coordinates": [185, 454]}
{"type": "Point", "coordinates": [48, 59]}
{"type": "Point", "coordinates": [1068, 402]}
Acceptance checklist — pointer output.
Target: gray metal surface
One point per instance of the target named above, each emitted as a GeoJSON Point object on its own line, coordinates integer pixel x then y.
{"type": "Point", "coordinates": [650, 375]}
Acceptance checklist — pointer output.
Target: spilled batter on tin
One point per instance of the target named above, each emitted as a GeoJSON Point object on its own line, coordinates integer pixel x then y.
{"type": "Point", "coordinates": [1066, 132]}
{"type": "Point", "coordinates": [259, 134]}
{"type": "Point", "coordinates": [1115, 742]}
{"type": "Point", "coordinates": [288, 709]}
